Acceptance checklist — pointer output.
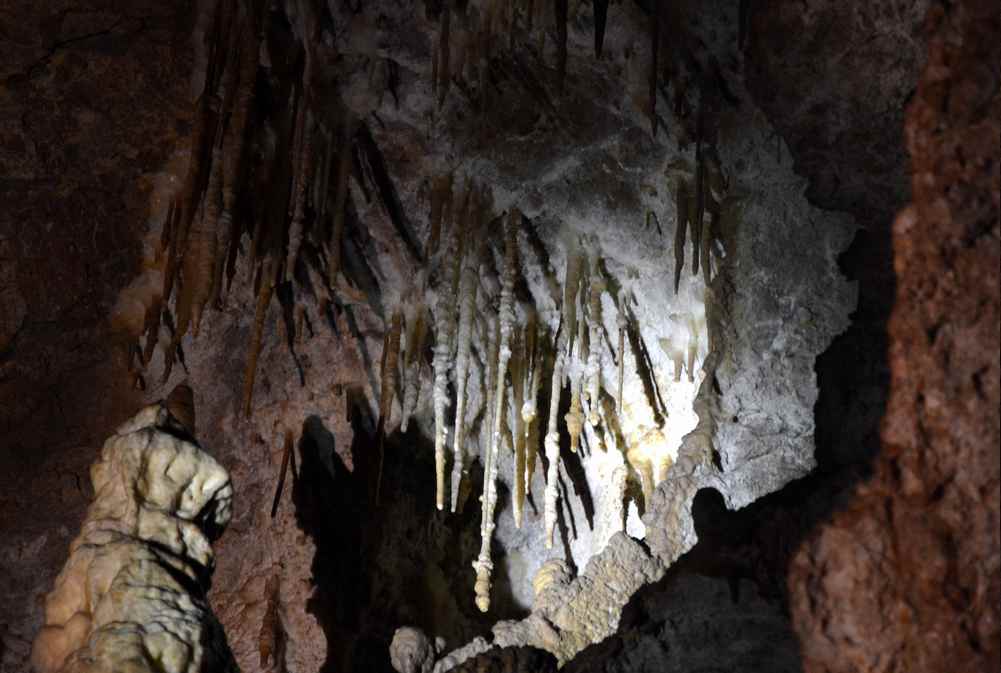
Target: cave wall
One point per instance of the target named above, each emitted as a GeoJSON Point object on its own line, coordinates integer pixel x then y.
{"type": "Point", "coordinates": [906, 577]}
{"type": "Point", "coordinates": [415, 568]}
{"type": "Point", "coordinates": [94, 100]}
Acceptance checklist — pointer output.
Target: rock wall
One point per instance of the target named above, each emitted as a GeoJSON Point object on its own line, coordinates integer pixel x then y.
{"type": "Point", "coordinates": [907, 577]}
{"type": "Point", "coordinates": [94, 101]}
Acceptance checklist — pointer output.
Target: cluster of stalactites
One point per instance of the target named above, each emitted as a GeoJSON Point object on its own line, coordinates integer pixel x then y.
{"type": "Point", "coordinates": [701, 194]}
{"type": "Point", "coordinates": [456, 264]}
{"type": "Point", "coordinates": [290, 196]}
{"type": "Point", "coordinates": [470, 34]}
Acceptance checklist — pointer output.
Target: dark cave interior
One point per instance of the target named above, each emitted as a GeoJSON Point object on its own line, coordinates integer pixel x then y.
{"type": "Point", "coordinates": [352, 234]}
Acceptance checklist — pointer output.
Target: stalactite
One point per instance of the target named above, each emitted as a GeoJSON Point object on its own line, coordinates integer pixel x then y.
{"type": "Point", "coordinates": [621, 320]}
{"type": "Point", "coordinates": [575, 264]}
{"type": "Point", "coordinates": [700, 185]}
{"type": "Point", "coordinates": [519, 373]}
{"type": "Point", "coordinates": [267, 279]}
{"type": "Point", "coordinates": [233, 153]}
{"type": "Point", "coordinates": [594, 354]}
{"type": "Point", "coordinates": [302, 158]}
{"type": "Point", "coordinates": [340, 201]}
{"type": "Point", "coordinates": [600, 19]}
{"type": "Point", "coordinates": [552, 440]}
{"type": "Point", "coordinates": [321, 179]}
{"type": "Point", "coordinates": [505, 319]}
{"type": "Point", "coordinates": [441, 356]}
{"type": "Point", "coordinates": [390, 361]}
{"type": "Point", "coordinates": [416, 339]}
{"type": "Point", "coordinates": [441, 193]}
{"type": "Point", "coordinates": [444, 342]}
{"type": "Point", "coordinates": [282, 471]}
{"type": "Point", "coordinates": [529, 410]}
{"type": "Point", "coordinates": [643, 466]}
{"type": "Point", "coordinates": [197, 267]}
{"type": "Point", "coordinates": [467, 300]}
{"type": "Point", "coordinates": [681, 204]}
{"type": "Point", "coordinates": [708, 236]}
{"type": "Point", "coordinates": [575, 417]}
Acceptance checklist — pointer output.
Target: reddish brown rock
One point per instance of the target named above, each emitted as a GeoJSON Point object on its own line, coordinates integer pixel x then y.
{"type": "Point", "coordinates": [908, 577]}
{"type": "Point", "coordinates": [94, 97]}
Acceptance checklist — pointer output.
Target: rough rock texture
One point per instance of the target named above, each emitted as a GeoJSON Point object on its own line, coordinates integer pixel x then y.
{"type": "Point", "coordinates": [847, 138]}
{"type": "Point", "coordinates": [907, 577]}
{"type": "Point", "coordinates": [509, 660]}
{"type": "Point", "coordinates": [325, 580]}
{"type": "Point", "coordinates": [834, 79]}
{"type": "Point", "coordinates": [131, 597]}
{"type": "Point", "coordinates": [584, 171]}
{"type": "Point", "coordinates": [695, 623]}
{"type": "Point", "coordinates": [93, 101]}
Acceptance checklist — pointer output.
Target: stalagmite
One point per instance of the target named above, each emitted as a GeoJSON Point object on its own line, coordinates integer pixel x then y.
{"type": "Point", "coordinates": [131, 595]}
{"type": "Point", "coordinates": [552, 440]}
{"type": "Point", "coordinates": [505, 318]}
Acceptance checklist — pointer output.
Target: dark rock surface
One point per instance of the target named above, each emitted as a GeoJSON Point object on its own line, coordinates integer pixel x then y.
{"type": "Point", "coordinates": [93, 101]}
{"type": "Point", "coordinates": [906, 578]}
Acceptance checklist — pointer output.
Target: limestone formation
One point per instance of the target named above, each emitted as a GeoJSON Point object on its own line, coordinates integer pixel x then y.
{"type": "Point", "coordinates": [131, 596]}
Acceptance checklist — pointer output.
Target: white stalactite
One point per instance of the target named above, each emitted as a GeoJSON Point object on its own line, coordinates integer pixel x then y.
{"type": "Point", "coordinates": [552, 440]}
{"type": "Point", "coordinates": [594, 356]}
{"type": "Point", "coordinates": [529, 410]}
{"type": "Point", "coordinates": [483, 565]}
{"type": "Point", "coordinates": [519, 369]}
{"type": "Point", "coordinates": [467, 294]}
